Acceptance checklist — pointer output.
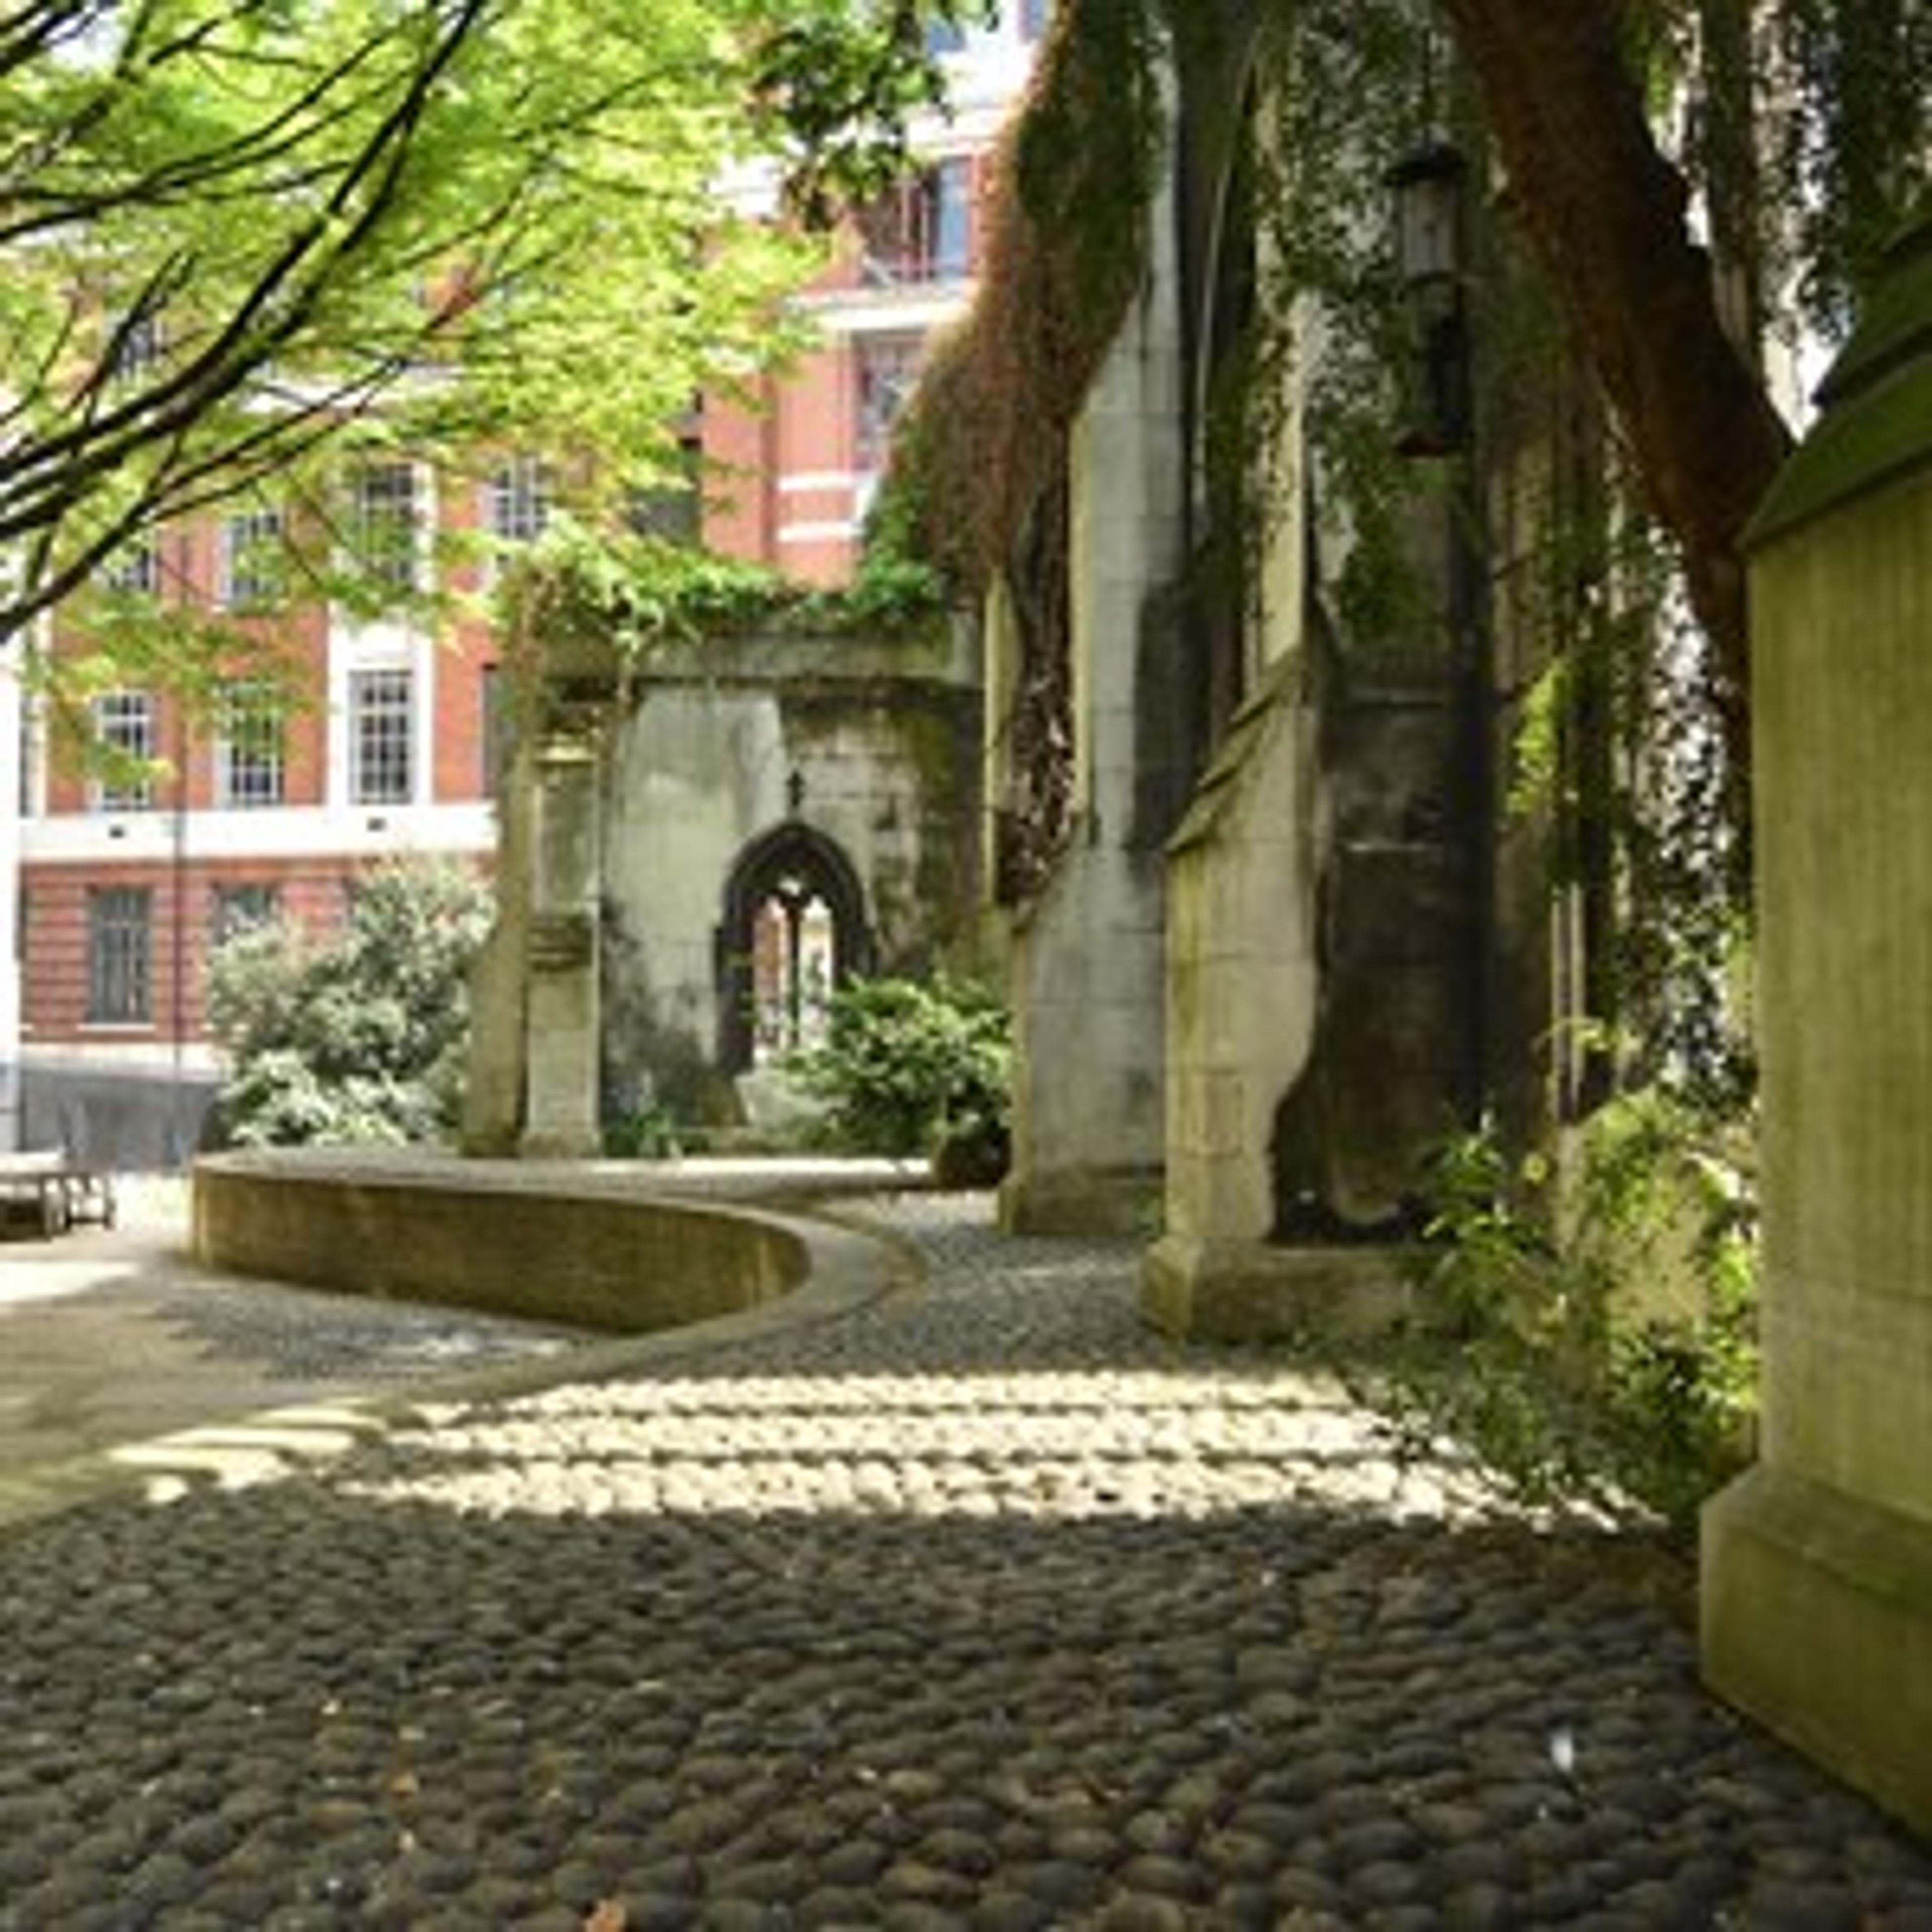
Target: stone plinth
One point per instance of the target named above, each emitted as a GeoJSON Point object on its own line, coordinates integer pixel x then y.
{"type": "Point", "coordinates": [1817, 1596]}
{"type": "Point", "coordinates": [1251, 1291]}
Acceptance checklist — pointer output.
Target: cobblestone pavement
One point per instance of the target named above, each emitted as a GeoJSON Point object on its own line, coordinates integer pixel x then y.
{"type": "Point", "coordinates": [975, 1608]}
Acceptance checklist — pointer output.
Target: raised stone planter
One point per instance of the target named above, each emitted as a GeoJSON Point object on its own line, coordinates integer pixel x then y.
{"type": "Point", "coordinates": [536, 1240]}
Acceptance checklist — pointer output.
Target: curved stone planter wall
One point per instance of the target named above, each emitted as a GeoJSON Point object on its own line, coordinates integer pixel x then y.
{"type": "Point", "coordinates": [509, 1237]}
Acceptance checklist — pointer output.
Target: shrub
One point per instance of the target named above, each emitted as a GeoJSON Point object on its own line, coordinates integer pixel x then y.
{"type": "Point", "coordinates": [359, 1037]}
{"type": "Point", "coordinates": [1605, 1346]}
{"type": "Point", "coordinates": [909, 1067]}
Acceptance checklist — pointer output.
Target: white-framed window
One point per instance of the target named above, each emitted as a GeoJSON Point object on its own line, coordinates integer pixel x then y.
{"type": "Point", "coordinates": [517, 500]}
{"type": "Point", "coordinates": [382, 736]}
{"type": "Point", "coordinates": [887, 367]}
{"type": "Point", "coordinates": [249, 755]}
{"type": "Point", "coordinates": [123, 728]}
{"type": "Point", "coordinates": [233, 909]}
{"type": "Point", "coordinates": [120, 955]}
{"type": "Point", "coordinates": [134, 569]}
{"type": "Point", "coordinates": [248, 564]}
{"type": "Point", "coordinates": [386, 523]}
{"type": "Point", "coordinates": [922, 230]}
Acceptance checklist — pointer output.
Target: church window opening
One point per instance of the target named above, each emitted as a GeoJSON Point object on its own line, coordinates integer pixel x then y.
{"type": "Point", "coordinates": [794, 967]}
{"type": "Point", "coordinates": [793, 931]}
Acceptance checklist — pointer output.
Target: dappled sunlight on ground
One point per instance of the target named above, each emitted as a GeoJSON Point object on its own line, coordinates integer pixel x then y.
{"type": "Point", "coordinates": [1142, 1445]}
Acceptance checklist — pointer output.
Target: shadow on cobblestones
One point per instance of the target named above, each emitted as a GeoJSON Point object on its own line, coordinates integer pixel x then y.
{"type": "Point", "coordinates": [888, 1630]}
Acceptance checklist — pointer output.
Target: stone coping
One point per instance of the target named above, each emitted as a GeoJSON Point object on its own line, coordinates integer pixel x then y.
{"type": "Point", "coordinates": [623, 1247]}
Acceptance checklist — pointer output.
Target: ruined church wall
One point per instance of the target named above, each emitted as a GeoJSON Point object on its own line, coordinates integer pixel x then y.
{"type": "Point", "coordinates": [877, 744]}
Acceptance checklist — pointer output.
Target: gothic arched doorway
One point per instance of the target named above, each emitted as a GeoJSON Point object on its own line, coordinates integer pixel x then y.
{"type": "Point", "coordinates": [794, 928]}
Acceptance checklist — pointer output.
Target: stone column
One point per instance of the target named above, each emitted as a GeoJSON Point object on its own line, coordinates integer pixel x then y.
{"type": "Point", "coordinates": [1817, 1572]}
{"type": "Point", "coordinates": [1088, 954]}
{"type": "Point", "coordinates": [562, 1011]}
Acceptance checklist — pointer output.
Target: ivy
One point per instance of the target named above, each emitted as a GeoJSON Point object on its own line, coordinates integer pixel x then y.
{"type": "Point", "coordinates": [635, 596]}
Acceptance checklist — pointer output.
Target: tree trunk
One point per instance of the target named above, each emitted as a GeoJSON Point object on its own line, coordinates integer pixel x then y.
{"type": "Point", "coordinates": [1605, 212]}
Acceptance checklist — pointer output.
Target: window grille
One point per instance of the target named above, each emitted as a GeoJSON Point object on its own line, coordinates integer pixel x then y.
{"type": "Point", "coordinates": [134, 570]}
{"type": "Point", "coordinates": [384, 520]}
{"type": "Point", "coordinates": [382, 721]}
{"type": "Point", "coordinates": [120, 955]}
{"type": "Point", "coordinates": [123, 725]}
{"type": "Point", "coordinates": [517, 501]}
{"type": "Point", "coordinates": [249, 573]}
{"type": "Point", "coordinates": [249, 762]}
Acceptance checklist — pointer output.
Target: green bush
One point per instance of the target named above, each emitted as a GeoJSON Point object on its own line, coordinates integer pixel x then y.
{"type": "Point", "coordinates": [359, 1037]}
{"type": "Point", "coordinates": [1604, 1344]}
{"type": "Point", "coordinates": [910, 1067]}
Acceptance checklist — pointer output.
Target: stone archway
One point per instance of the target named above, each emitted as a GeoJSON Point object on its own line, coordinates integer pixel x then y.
{"type": "Point", "coordinates": [794, 929]}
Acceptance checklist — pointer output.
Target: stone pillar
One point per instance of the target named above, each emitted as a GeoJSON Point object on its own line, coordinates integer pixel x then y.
{"type": "Point", "coordinates": [1088, 954]}
{"type": "Point", "coordinates": [1817, 1571]}
{"type": "Point", "coordinates": [562, 1008]}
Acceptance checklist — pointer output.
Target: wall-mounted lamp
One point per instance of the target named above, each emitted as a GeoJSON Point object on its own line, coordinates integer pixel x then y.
{"type": "Point", "coordinates": [1427, 187]}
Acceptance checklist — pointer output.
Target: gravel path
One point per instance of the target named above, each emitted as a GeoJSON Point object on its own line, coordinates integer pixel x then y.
{"type": "Point", "coordinates": [979, 1608]}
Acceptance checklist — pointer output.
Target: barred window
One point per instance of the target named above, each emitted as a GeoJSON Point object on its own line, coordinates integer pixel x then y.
{"type": "Point", "coordinates": [382, 721]}
{"type": "Point", "coordinates": [120, 945]}
{"type": "Point", "coordinates": [123, 727]}
{"type": "Point", "coordinates": [248, 755]}
{"type": "Point", "coordinates": [249, 574]}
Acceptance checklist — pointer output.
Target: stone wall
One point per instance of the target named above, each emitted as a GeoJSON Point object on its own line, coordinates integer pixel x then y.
{"type": "Point", "coordinates": [1088, 953]}
{"type": "Point", "coordinates": [1817, 1596]}
{"type": "Point", "coordinates": [873, 744]}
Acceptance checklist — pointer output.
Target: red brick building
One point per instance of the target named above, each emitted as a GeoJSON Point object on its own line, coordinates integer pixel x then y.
{"type": "Point", "coordinates": [123, 887]}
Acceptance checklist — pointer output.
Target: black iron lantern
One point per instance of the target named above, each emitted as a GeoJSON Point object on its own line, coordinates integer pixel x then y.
{"type": "Point", "coordinates": [1427, 188]}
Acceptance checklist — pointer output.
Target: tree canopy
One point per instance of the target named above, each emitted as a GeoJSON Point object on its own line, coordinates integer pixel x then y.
{"type": "Point", "coordinates": [230, 228]}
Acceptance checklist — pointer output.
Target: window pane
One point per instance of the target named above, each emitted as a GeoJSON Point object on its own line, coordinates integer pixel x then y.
{"type": "Point", "coordinates": [381, 734]}
{"type": "Point", "coordinates": [123, 723]}
{"type": "Point", "coordinates": [383, 517]}
{"type": "Point", "coordinates": [119, 941]}
{"type": "Point", "coordinates": [248, 754]}
{"type": "Point", "coordinates": [517, 504]}
{"type": "Point", "coordinates": [953, 224]}
{"type": "Point", "coordinates": [888, 368]}
{"type": "Point", "coordinates": [249, 573]}
{"type": "Point", "coordinates": [134, 570]}
{"type": "Point", "coordinates": [235, 910]}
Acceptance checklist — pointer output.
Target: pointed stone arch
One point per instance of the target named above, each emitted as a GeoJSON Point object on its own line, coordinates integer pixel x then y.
{"type": "Point", "coordinates": [794, 927]}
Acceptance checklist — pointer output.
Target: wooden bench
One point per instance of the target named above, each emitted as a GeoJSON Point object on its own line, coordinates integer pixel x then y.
{"type": "Point", "coordinates": [59, 1190]}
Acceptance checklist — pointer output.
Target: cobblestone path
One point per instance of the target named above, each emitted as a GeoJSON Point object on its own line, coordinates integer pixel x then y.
{"type": "Point", "coordinates": [979, 1608]}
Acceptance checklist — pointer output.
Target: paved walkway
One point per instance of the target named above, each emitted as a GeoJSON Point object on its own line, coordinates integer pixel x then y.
{"type": "Point", "coordinates": [974, 1606]}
